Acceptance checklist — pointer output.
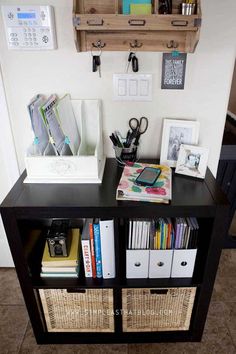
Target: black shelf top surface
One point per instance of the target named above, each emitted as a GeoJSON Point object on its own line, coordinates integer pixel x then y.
{"type": "Point", "coordinates": [82, 282]}
{"type": "Point", "coordinates": [90, 198]}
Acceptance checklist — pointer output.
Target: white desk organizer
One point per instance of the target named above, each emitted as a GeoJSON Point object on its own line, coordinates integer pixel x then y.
{"type": "Point", "coordinates": [88, 165]}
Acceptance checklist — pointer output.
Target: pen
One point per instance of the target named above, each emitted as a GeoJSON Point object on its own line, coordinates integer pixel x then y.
{"type": "Point", "coordinates": [119, 139]}
{"type": "Point", "coordinates": [113, 140]}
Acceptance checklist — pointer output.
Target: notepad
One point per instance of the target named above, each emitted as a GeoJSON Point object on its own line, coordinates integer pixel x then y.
{"type": "Point", "coordinates": [140, 9]}
{"type": "Point", "coordinates": [127, 3]}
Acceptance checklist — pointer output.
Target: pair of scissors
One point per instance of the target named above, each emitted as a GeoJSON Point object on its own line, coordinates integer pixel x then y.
{"type": "Point", "coordinates": [138, 127]}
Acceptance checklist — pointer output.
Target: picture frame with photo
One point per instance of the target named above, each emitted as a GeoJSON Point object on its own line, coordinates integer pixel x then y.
{"type": "Point", "coordinates": [177, 132]}
{"type": "Point", "coordinates": [192, 161]}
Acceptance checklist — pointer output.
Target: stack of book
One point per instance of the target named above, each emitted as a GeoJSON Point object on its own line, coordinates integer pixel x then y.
{"type": "Point", "coordinates": [159, 192]}
{"type": "Point", "coordinates": [163, 236]}
{"type": "Point", "coordinates": [162, 248]}
{"type": "Point", "coordinates": [63, 266]}
{"type": "Point", "coordinates": [163, 233]}
{"type": "Point", "coordinates": [98, 248]}
{"type": "Point", "coordinates": [186, 233]}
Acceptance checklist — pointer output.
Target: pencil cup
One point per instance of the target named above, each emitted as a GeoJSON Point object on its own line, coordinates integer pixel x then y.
{"type": "Point", "coordinates": [125, 154]}
{"type": "Point", "coordinates": [187, 9]}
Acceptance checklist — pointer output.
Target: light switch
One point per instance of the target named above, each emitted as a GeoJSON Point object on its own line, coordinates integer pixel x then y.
{"type": "Point", "coordinates": [122, 87]}
{"type": "Point", "coordinates": [144, 87]}
{"type": "Point", "coordinates": [132, 87]}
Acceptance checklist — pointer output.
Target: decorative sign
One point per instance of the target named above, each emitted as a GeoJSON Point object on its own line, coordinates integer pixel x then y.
{"type": "Point", "coordinates": [173, 70]}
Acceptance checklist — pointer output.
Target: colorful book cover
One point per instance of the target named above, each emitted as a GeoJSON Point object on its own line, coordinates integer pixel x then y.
{"type": "Point", "coordinates": [177, 230]}
{"type": "Point", "coordinates": [169, 227]}
{"type": "Point", "coordinates": [160, 192]}
{"type": "Point", "coordinates": [162, 234]}
{"type": "Point", "coordinates": [97, 244]}
{"type": "Point", "coordinates": [86, 251]}
{"type": "Point", "coordinates": [92, 248]}
{"type": "Point", "coordinates": [158, 236]}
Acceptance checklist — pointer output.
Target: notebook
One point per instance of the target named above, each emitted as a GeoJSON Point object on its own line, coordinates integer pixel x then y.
{"type": "Point", "coordinates": [160, 192]}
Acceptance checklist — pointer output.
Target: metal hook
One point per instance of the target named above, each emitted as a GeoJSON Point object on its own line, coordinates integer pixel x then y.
{"type": "Point", "coordinates": [135, 44]}
{"type": "Point", "coordinates": [99, 44]}
{"type": "Point", "coordinates": [172, 44]}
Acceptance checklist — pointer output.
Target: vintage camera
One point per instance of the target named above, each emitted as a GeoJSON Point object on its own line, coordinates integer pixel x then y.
{"type": "Point", "coordinates": [59, 238]}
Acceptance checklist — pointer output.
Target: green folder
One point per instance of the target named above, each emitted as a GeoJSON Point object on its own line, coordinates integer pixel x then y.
{"type": "Point", "coordinates": [140, 9]}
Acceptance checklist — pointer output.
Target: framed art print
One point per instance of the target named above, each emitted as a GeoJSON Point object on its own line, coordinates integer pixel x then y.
{"type": "Point", "coordinates": [192, 161]}
{"type": "Point", "coordinates": [173, 71]}
{"type": "Point", "coordinates": [177, 132]}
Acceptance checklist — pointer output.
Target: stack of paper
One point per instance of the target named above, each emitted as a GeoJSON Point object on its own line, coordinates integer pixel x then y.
{"type": "Point", "coordinates": [54, 126]}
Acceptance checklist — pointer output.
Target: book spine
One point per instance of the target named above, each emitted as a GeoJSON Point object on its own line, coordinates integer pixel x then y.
{"type": "Point", "coordinates": [87, 258]}
{"type": "Point", "coordinates": [92, 249]}
{"type": "Point", "coordinates": [98, 255]}
{"type": "Point", "coordinates": [107, 248]}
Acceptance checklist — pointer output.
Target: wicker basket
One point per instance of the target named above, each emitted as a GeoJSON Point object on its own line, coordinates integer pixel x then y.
{"type": "Point", "coordinates": [149, 310]}
{"type": "Point", "coordinates": [88, 311]}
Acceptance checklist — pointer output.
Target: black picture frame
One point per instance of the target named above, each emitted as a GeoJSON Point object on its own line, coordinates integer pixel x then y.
{"type": "Point", "coordinates": [173, 71]}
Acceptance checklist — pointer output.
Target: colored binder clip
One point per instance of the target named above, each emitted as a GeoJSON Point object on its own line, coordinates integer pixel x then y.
{"type": "Point", "coordinates": [175, 53]}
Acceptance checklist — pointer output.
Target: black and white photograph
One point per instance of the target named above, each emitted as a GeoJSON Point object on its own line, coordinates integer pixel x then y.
{"type": "Point", "coordinates": [175, 133]}
{"type": "Point", "coordinates": [192, 161]}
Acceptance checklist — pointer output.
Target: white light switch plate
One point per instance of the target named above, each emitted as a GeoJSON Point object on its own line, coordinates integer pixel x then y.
{"type": "Point", "coordinates": [132, 87]}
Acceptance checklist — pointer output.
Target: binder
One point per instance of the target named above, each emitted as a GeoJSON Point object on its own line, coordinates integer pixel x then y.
{"type": "Point", "coordinates": [183, 263]}
{"type": "Point", "coordinates": [137, 262]}
{"type": "Point", "coordinates": [107, 248]}
{"type": "Point", "coordinates": [160, 263]}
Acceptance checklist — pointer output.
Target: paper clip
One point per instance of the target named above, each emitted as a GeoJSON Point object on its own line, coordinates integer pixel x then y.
{"type": "Point", "coordinates": [175, 53]}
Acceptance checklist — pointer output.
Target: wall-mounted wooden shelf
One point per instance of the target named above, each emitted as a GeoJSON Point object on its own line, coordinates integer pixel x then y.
{"type": "Point", "coordinates": [101, 23]}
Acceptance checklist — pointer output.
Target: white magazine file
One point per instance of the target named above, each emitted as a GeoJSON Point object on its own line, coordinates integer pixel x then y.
{"type": "Point", "coordinates": [88, 165]}
{"type": "Point", "coordinates": [137, 262]}
{"type": "Point", "coordinates": [160, 263]}
{"type": "Point", "coordinates": [183, 263]}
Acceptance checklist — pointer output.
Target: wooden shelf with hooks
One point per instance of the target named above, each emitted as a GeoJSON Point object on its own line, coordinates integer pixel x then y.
{"type": "Point", "coordinates": [101, 24]}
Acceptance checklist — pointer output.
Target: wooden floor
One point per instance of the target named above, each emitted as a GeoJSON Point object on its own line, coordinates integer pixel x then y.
{"type": "Point", "coordinates": [219, 336]}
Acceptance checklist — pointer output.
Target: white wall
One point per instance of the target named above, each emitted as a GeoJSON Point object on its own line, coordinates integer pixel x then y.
{"type": "Point", "coordinates": [9, 171]}
{"type": "Point", "coordinates": [205, 97]}
{"type": "Point", "coordinates": [232, 97]}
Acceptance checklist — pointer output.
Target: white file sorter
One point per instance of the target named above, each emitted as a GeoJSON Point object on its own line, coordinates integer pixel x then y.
{"type": "Point", "coordinates": [183, 263]}
{"type": "Point", "coordinates": [88, 165]}
{"type": "Point", "coordinates": [137, 262]}
{"type": "Point", "coordinates": [160, 262]}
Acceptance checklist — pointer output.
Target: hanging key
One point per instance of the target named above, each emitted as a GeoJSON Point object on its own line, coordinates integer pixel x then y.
{"type": "Point", "coordinates": [94, 63]}
{"type": "Point", "coordinates": [135, 64]}
{"type": "Point", "coordinates": [131, 54]}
